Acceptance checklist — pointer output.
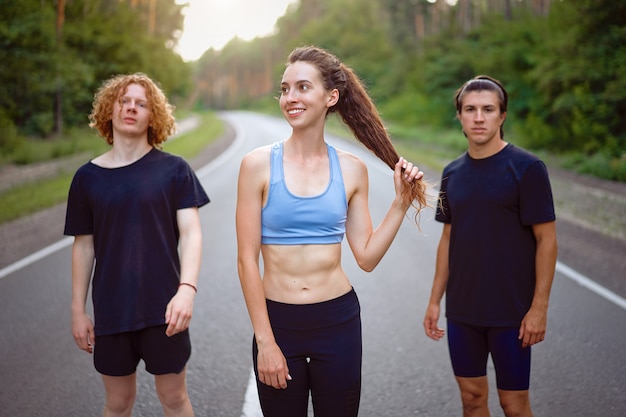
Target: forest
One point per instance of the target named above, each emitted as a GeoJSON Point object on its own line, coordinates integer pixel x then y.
{"type": "Point", "coordinates": [563, 63]}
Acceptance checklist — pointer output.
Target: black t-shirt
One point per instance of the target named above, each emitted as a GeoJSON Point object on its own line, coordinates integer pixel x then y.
{"type": "Point", "coordinates": [491, 205]}
{"type": "Point", "coordinates": [131, 213]}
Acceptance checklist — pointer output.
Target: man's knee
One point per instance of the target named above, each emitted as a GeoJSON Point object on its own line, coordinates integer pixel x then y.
{"type": "Point", "coordinates": [515, 403]}
{"type": "Point", "coordinates": [119, 404]}
{"type": "Point", "coordinates": [473, 401]}
{"type": "Point", "coordinates": [474, 395]}
{"type": "Point", "coordinates": [174, 400]}
{"type": "Point", "coordinates": [172, 391]}
{"type": "Point", "coordinates": [120, 395]}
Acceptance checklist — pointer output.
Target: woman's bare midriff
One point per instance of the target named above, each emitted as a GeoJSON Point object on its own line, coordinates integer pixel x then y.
{"type": "Point", "coordinates": [303, 274]}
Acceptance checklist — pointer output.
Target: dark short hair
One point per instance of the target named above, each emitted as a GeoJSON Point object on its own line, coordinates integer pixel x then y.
{"type": "Point", "coordinates": [482, 83]}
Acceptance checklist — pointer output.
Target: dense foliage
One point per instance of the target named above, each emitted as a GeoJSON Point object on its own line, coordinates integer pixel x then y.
{"type": "Point", "coordinates": [563, 62]}
{"type": "Point", "coordinates": [55, 54]}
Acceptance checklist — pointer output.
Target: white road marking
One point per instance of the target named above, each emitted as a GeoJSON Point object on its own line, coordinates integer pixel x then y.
{"type": "Point", "coordinates": [591, 285]}
{"type": "Point", "coordinates": [34, 257]}
{"type": "Point", "coordinates": [251, 406]}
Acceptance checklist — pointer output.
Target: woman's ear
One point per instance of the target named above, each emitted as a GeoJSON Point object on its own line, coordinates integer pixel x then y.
{"type": "Point", "coordinates": [333, 97]}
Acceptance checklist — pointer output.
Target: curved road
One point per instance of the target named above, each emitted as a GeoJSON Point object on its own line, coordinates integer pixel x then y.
{"type": "Point", "coordinates": [578, 371]}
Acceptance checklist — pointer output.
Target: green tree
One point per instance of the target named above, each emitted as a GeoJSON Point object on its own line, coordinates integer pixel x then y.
{"type": "Point", "coordinates": [357, 31]}
{"type": "Point", "coordinates": [27, 73]}
{"type": "Point", "coordinates": [54, 57]}
{"type": "Point", "coordinates": [581, 81]}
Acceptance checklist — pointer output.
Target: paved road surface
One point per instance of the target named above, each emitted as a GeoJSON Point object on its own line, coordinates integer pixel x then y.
{"type": "Point", "coordinates": [578, 372]}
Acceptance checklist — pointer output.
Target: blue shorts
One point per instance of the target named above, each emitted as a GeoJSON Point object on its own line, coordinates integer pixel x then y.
{"type": "Point", "coordinates": [119, 354]}
{"type": "Point", "coordinates": [470, 347]}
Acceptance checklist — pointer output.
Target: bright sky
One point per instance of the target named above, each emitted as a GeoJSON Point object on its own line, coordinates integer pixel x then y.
{"type": "Point", "coordinates": [212, 23]}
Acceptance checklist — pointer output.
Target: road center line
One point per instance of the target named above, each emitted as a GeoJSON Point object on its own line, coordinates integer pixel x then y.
{"type": "Point", "coordinates": [251, 405]}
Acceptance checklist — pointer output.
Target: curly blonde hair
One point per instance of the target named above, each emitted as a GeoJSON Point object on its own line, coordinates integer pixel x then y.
{"type": "Point", "coordinates": [162, 121]}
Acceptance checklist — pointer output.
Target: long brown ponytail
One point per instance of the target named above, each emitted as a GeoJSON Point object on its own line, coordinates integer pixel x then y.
{"type": "Point", "coordinates": [358, 111]}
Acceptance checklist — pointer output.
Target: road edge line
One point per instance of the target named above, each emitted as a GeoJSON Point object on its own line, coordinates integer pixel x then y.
{"type": "Point", "coordinates": [34, 257]}
{"type": "Point", "coordinates": [583, 281]}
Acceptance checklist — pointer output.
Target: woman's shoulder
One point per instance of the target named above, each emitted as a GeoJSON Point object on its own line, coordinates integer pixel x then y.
{"type": "Point", "coordinates": [258, 158]}
{"type": "Point", "coordinates": [346, 157]}
{"type": "Point", "coordinates": [351, 165]}
{"type": "Point", "coordinates": [262, 152]}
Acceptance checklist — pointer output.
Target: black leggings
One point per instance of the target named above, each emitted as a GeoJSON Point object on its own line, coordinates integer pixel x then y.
{"type": "Point", "coordinates": [322, 345]}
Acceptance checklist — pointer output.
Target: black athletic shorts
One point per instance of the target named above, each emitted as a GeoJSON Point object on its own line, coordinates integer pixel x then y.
{"type": "Point", "coordinates": [119, 354]}
{"type": "Point", "coordinates": [470, 347]}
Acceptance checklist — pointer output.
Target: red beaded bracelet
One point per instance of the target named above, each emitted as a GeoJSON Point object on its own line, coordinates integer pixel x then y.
{"type": "Point", "coordinates": [189, 285]}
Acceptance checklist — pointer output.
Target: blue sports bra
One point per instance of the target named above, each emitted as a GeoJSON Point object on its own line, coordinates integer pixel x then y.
{"type": "Point", "coordinates": [289, 219]}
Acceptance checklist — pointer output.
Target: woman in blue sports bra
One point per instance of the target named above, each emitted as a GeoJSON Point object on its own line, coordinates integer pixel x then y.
{"type": "Point", "coordinates": [296, 201]}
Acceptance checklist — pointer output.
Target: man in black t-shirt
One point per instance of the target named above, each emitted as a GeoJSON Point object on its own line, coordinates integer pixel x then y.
{"type": "Point", "coordinates": [129, 209]}
{"type": "Point", "coordinates": [496, 256]}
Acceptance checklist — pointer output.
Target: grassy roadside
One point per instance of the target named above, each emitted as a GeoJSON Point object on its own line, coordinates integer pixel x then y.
{"type": "Point", "coordinates": [33, 196]}
{"type": "Point", "coordinates": [191, 143]}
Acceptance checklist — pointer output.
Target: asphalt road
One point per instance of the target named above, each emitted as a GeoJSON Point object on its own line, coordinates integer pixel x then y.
{"type": "Point", "coordinates": [577, 372]}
